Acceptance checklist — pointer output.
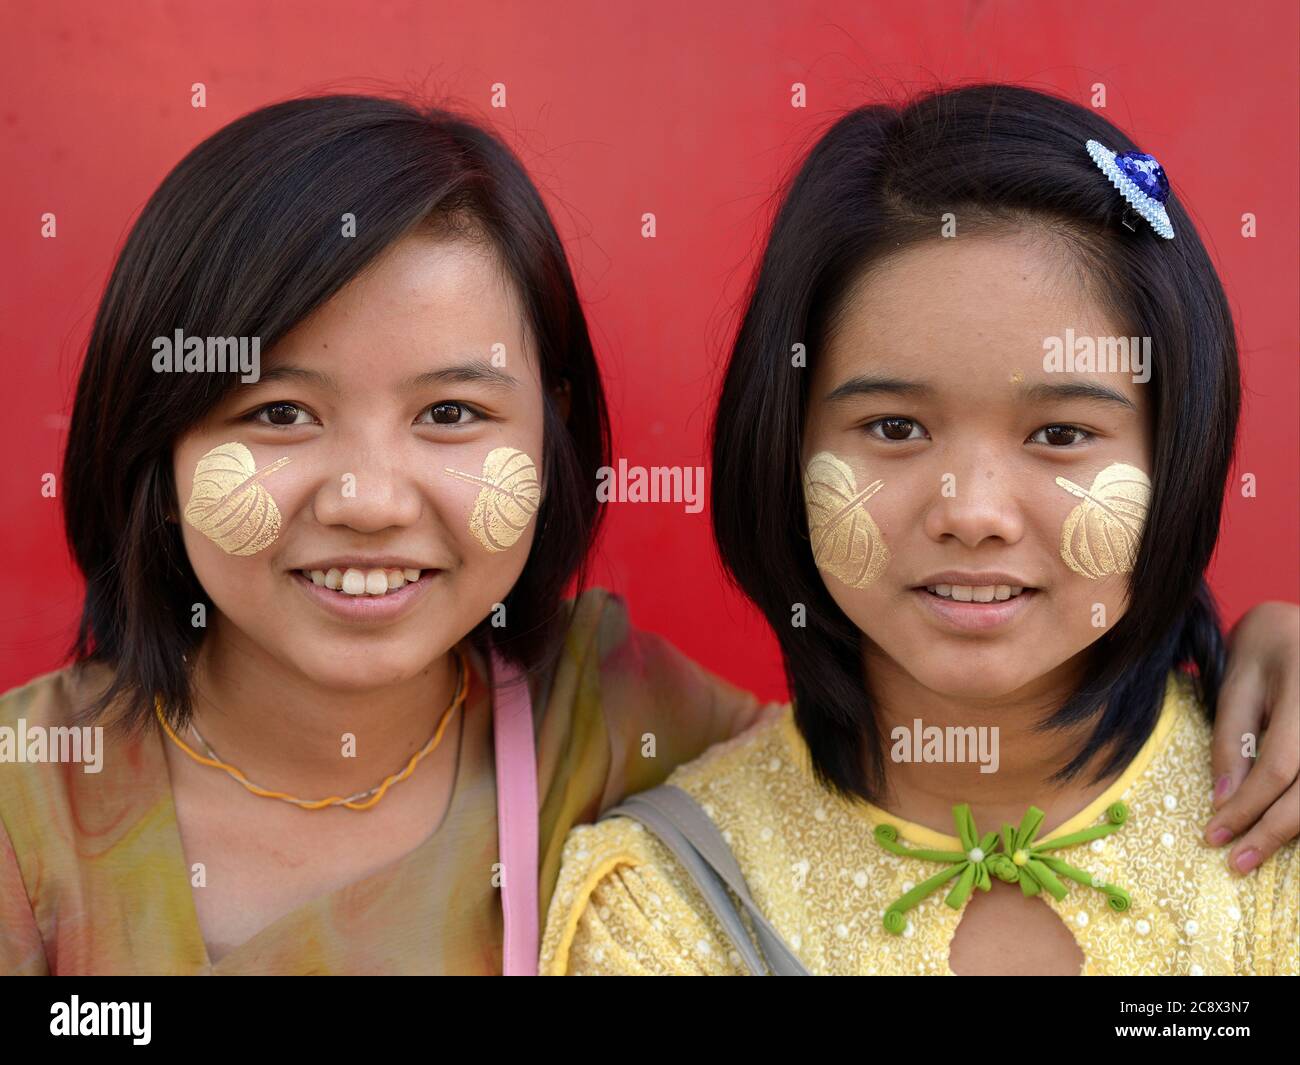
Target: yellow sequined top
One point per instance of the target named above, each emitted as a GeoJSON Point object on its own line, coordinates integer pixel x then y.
{"type": "Point", "coordinates": [624, 906]}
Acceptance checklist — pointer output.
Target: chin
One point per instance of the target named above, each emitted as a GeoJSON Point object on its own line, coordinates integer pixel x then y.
{"type": "Point", "coordinates": [360, 669]}
{"type": "Point", "coordinates": [977, 677]}
{"type": "Point", "coordinates": [974, 689]}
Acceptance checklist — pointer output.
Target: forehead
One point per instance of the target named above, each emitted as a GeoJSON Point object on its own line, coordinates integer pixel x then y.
{"type": "Point", "coordinates": [955, 308]}
{"type": "Point", "coordinates": [425, 299]}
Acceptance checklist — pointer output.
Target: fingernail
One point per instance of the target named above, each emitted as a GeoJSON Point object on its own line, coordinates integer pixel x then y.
{"type": "Point", "coordinates": [1247, 860]}
{"type": "Point", "coordinates": [1220, 836]}
{"type": "Point", "coordinates": [1222, 787]}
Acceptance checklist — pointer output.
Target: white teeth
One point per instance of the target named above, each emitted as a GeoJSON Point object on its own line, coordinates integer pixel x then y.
{"type": "Point", "coordinates": [984, 593]}
{"type": "Point", "coordinates": [353, 581]}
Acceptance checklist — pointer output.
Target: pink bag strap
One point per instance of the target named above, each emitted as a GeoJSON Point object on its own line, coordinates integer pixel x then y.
{"type": "Point", "coordinates": [516, 762]}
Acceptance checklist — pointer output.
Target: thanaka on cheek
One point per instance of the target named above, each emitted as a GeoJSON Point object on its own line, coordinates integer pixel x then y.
{"type": "Point", "coordinates": [846, 542]}
{"type": "Point", "coordinates": [1102, 534]}
{"type": "Point", "coordinates": [507, 500]}
{"type": "Point", "coordinates": [229, 504]}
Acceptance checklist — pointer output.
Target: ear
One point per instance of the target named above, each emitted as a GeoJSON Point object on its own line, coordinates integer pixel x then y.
{"type": "Point", "coordinates": [561, 394]}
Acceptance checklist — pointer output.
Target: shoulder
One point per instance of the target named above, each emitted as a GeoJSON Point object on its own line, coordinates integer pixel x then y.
{"type": "Point", "coordinates": [602, 640]}
{"type": "Point", "coordinates": [567, 712]}
{"type": "Point", "coordinates": [37, 822]}
{"type": "Point", "coordinates": [744, 764]}
{"type": "Point", "coordinates": [626, 706]}
{"type": "Point", "coordinates": [29, 716]}
{"type": "Point", "coordinates": [596, 630]}
{"type": "Point", "coordinates": [1203, 916]}
{"type": "Point", "coordinates": [622, 709]}
{"type": "Point", "coordinates": [1182, 741]}
{"type": "Point", "coordinates": [623, 904]}
{"type": "Point", "coordinates": [52, 698]}
{"type": "Point", "coordinates": [598, 622]}
{"type": "Point", "coordinates": [64, 779]}
{"type": "Point", "coordinates": [603, 645]}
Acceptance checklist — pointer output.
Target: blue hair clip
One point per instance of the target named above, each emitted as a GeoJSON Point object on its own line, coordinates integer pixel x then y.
{"type": "Point", "coordinates": [1141, 181]}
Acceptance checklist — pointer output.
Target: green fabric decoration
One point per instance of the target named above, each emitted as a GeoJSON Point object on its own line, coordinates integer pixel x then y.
{"type": "Point", "coordinates": [1020, 860]}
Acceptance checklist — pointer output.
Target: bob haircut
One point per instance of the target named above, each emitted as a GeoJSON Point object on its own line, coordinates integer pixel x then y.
{"type": "Point", "coordinates": [243, 238]}
{"type": "Point", "coordinates": [1000, 157]}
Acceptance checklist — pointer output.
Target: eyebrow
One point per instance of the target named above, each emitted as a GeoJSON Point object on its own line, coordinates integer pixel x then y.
{"type": "Point", "coordinates": [475, 371]}
{"type": "Point", "coordinates": [1077, 390]}
{"type": "Point", "coordinates": [872, 385]}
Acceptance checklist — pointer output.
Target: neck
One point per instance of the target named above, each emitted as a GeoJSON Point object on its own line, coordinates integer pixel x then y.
{"type": "Point", "coordinates": [925, 792]}
{"type": "Point", "coordinates": [286, 732]}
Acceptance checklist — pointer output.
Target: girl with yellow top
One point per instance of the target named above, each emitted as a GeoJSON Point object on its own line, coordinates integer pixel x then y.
{"type": "Point", "coordinates": [983, 552]}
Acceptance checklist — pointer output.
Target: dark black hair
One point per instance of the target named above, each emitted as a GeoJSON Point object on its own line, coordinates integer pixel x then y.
{"type": "Point", "coordinates": [243, 238]}
{"type": "Point", "coordinates": [880, 179]}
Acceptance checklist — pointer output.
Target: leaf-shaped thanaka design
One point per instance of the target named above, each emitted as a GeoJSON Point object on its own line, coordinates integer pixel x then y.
{"type": "Point", "coordinates": [845, 540]}
{"type": "Point", "coordinates": [1101, 535]}
{"type": "Point", "coordinates": [508, 499]}
{"type": "Point", "coordinates": [229, 506]}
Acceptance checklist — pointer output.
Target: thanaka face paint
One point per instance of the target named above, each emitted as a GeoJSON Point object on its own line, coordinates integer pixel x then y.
{"type": "Point", "coordinates": [846, 542]}
{"type": "Point", "coordinates": [229, 504]}
{"type": "Point", "coordinates": [1101, 536]}
{"type": "Point", "coordinates": [507, 500]}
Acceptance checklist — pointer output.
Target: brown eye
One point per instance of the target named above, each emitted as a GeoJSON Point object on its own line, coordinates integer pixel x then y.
{"type": "Point", "coordinates": [446, 413]}
{"type": "Point", "coordinates": [450, 413]}
{"type": "Point", "coordinates": [282, 413]}
{"type": "Point", "coordinates": [1061, 435]}
{"type": "Point", "coordinates": [896, 429]}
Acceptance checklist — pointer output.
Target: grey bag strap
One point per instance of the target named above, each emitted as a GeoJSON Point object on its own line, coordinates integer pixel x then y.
{"type": "Point", "coordinates": [685, 829]}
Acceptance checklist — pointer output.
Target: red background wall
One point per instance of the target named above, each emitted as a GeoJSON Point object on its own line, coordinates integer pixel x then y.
{"type": "Point", "coordinates": [678, 108]}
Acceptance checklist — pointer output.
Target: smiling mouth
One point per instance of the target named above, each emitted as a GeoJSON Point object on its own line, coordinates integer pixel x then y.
{"type": "Point", "coordinates": [985, 593]}
{"type": "Point", "coordinates": [363, 582]}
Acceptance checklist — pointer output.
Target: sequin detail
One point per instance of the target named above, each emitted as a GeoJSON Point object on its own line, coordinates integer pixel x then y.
{"type": "Point", "coordinates": [629, 908]}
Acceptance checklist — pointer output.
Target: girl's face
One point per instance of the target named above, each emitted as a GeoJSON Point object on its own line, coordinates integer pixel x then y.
{"type": "Point", "coordinates": [409, 410]}
{"type": "Point", "coordinates": [934, 443]}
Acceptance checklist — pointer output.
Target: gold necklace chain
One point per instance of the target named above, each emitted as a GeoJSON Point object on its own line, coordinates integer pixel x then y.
{"type": "Point", "coordinates": [352, 802]}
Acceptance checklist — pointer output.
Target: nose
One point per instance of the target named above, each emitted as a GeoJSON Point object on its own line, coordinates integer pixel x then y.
{"type": "Point", "coordinates": [975, 502]}
{"type": "Point", "coordinates": [373, 489]}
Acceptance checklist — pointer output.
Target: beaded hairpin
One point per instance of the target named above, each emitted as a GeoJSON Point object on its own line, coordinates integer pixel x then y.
{"type": "Point", "coordinates": [1142, 182]}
